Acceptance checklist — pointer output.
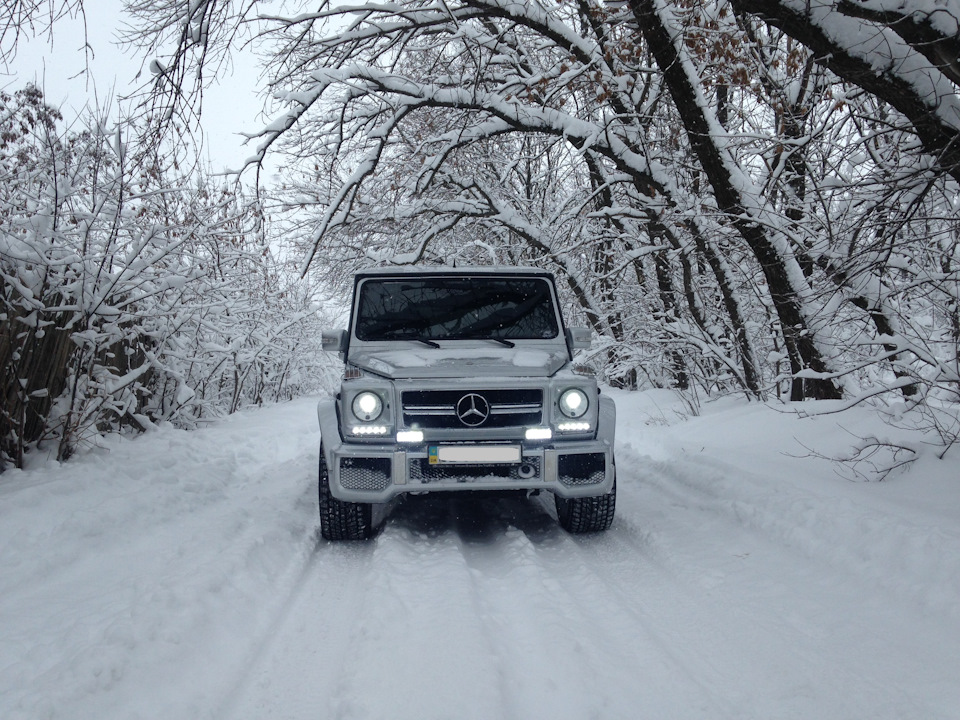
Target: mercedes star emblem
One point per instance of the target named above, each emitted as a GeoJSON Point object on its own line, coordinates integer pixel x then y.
{"type": "Point", "coordinates": [473, 410]}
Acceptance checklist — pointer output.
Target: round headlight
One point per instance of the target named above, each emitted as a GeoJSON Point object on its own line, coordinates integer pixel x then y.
{"type": "Point", "coordinates": [367, 406]}
{"type": "Point", "coordinates": [574, 403]}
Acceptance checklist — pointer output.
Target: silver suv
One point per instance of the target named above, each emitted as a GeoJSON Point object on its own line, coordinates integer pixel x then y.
{"type": "Point", "coordinates": [461, 379]}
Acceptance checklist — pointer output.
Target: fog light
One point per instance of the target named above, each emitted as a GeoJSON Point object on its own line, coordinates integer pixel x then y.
{"type": "Point", "coordinates": [410, 436]}
{"type": "Point", "coordinates": [538, 433]}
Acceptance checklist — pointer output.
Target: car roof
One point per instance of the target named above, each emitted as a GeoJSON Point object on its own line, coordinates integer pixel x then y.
{"type": "Point", "coordinates": [445, 270]}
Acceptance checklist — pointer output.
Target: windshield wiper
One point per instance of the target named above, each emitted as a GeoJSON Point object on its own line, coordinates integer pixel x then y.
{"type": "Point", "coordinates": [425, 341]}
{"type": "Point", "coordinates": [502, 341]}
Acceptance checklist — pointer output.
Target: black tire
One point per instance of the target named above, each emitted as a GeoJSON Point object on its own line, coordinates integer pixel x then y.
{"type": "Point", "coordinates": [587, 514]}
{"type": "Point", "coordinates": [340, 520]}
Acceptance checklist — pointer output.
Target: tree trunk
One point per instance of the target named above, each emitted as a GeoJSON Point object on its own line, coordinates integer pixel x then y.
{"type": "Point", "coordinates": [804, 354]}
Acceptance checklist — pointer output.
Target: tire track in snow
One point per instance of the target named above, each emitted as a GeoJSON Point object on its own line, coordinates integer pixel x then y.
{"type": "Point", "coordinates": [380, 629]}
{"type": "Point", "coordinates": [290, 672]}
{"type": "Point", "coordinates": [563, 648]}
{"type": "Point", "coordinates": [425, 632]}
{"type": "Point", "coordinates": [525, 617]}
{"type": "Point", "coordinates": [603, 579]}
{"type": "Point", "coordinates": [563, 652]}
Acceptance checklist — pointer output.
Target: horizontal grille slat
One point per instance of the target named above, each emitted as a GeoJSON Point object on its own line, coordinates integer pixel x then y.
{"type": "Point", "coordinates": [515, 409]}
{"type": "Point", "coordinates": [430, 410]}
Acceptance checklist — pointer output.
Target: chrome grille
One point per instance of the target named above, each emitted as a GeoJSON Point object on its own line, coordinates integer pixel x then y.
{"type": "Point", "coordinates": [438, 408]}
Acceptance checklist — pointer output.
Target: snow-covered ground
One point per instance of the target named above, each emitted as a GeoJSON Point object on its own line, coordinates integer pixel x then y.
{"type": "Point", "coordinates": [181, 575]}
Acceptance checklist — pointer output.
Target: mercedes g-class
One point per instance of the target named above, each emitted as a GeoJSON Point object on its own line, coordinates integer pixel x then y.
{"type": "Point", "coordinates": [462, 379]}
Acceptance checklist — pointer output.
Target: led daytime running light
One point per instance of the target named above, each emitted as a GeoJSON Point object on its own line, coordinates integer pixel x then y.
{"type": "Point", "coordinates": [369, 430]}
{"type": "Point", "coordinates": [573, 427]}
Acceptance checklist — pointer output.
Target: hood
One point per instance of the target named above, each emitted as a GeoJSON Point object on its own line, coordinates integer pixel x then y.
{"type": "Point", "coordinates": [461, 362]}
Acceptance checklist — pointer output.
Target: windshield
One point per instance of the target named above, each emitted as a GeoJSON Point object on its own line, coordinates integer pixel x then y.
{"type": "Point", "coordinates": [451, 308]}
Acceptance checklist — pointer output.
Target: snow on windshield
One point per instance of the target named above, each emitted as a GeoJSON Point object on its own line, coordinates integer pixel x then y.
{"type": "Point", "coordinates": [450, 308]}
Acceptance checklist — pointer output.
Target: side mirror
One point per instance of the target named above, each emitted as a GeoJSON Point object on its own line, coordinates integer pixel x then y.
{"type": "Point", "coordinates": [579, 338]}
{"type": "Point", "coordinates": [333, 340]}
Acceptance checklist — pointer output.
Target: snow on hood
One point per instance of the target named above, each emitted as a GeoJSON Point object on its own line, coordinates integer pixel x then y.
{"type": "Point", "coordinates": [461, 361]}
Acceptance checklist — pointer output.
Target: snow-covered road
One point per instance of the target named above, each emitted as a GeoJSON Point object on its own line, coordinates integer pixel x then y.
{"type": "Point", "coordinates": [181, 575]}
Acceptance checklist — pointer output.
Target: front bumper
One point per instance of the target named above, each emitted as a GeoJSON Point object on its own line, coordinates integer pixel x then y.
{"type": "Point", "coordinates": [377, 473]}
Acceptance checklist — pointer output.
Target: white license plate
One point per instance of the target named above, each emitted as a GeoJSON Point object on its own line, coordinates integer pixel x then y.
{"type": "Point", "coordinates": [474, 454]}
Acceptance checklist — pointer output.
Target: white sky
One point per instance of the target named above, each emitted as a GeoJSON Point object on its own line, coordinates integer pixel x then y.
{"type": "Point", "coordinates": [58, 69]}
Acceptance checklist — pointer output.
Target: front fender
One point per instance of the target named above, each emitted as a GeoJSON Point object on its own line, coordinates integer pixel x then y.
{"type": "Point", "coordinates": [329, 427]}
{"type": "Point", "coordinates": [607, 420]}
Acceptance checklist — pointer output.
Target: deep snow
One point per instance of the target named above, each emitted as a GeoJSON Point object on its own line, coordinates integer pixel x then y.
{"type": "Point", "coordinates": [181, 575]}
